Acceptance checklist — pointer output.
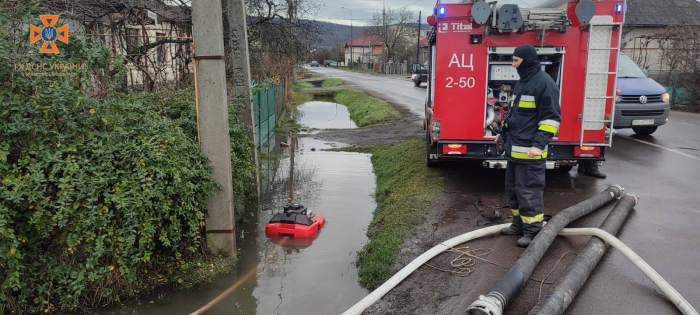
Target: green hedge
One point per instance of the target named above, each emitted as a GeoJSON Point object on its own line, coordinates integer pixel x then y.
{"type": "Point", "coordinates": [99, 199]}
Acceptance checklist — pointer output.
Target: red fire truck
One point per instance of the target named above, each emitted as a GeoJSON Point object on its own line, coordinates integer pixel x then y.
{"type": "Point", "coordinates": [471, 78]}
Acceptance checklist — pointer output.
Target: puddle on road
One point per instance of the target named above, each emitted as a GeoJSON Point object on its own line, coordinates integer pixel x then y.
{"type": "Point", "coordinates": [316, 276]}
{"type": "Point", "coordinates": [324, 115]}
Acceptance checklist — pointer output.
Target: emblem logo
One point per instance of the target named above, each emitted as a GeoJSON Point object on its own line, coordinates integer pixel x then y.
{"type": "Point", "coordinates": [49, 34]}
{"type": "Point", "coordinates": [643, 99]}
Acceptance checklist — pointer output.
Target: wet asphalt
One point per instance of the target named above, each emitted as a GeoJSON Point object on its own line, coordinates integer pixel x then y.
{"type": "Point", "coordinates": [664, 228]}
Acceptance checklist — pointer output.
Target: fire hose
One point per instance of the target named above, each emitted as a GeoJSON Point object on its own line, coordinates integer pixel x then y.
{"type": "Point", "coordinates": [506, 289]}
{"type": "Point", "coordinates": [671, 293]}
{"type": "Point", "coordinates": [560, 296]}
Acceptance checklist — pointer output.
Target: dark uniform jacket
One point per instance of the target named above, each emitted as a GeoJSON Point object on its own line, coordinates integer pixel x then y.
{"type": "Point", "coordinates": [534, 118]}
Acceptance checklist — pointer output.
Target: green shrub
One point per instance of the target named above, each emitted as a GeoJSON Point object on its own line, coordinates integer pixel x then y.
{"type": "Point", "coordinates": [98, 199]}
{"type": "Point", "coordinates": [180, 107]}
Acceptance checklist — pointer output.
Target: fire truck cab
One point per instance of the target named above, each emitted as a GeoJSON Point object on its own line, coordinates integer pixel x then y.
{"type": "Point", "coordinates": [471, 78]}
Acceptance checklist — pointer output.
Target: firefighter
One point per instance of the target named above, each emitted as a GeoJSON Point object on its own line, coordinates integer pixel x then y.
{"type": "Point", "coordinates": [532, 122]}
{"type": "Point", "coordinates": [590, 168]}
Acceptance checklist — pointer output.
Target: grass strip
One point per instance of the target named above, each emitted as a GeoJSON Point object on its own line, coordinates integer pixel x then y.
{"type": "Point", "coordinates": [366, 110]}
{"type": "Point", "coordinates": [405, 191]}
{"type": "Point", "coordinates": [297, 97]}
{"type": "Point", "coordinates": [331, 82]}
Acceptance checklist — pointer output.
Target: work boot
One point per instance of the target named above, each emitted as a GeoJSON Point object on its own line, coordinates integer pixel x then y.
{"type": "Point", "coordinates": [524, 241]}
{"type": "Point", "coordinates": [511, 231]}
{"type": "Point", "coordinates": [593, 173]}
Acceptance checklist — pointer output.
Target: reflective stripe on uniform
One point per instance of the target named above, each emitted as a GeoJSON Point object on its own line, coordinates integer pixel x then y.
{"type": "Point", "coordinates": [521, 153]}
{"type": "Point", "coordinates": [549, 125]}
{"type": "Point", "coordinates": [549, 129]}
{"type": "Point", "coordinates": [516, 148]}
{"type": "Point", "coordinates": [515, 212]}
{"type": "Point", "coordinates": [523, 156]}
{"type": "Point", "coordinates": [549, 122]}
{"type": "Point", "coordinates": [527, 101]}
{"type": "Point", "coordinates": [536, 219]}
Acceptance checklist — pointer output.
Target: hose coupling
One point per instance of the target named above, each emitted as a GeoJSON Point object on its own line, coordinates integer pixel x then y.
{"type": "Point", "coordinates": [633, 196]}
{"type": "Point", "coordinates": [486, 305]}
{"type": "Point", "coordinates": [618, 190]}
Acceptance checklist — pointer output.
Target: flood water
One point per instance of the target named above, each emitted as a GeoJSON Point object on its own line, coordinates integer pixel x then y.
{"type": "Point", "coordinates": [324, 115]}
{"type": "Point", "coordinates": [287, 275]}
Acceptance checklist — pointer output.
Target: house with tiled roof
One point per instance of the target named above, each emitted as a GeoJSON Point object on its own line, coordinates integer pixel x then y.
{"type": "Point", "coordinates": [364, 49]}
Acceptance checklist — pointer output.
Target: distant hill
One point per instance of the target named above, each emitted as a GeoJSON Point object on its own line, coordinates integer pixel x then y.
{"type": "Point", "coordinates": [340, 33]}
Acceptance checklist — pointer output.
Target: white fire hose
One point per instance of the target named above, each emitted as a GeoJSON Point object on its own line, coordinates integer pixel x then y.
{"type": "Point", "coordinates": [665, 287]}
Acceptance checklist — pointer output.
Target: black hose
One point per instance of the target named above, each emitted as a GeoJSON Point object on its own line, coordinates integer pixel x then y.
{"type": "Point", "coordinates": [572, 280]}
{"type": "Point", "coordinates": [508, 287]}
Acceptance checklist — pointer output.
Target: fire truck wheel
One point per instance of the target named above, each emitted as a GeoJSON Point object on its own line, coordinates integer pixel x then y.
{"type": "Point", "coordinates": [644, 131]}
{"type": "Point", "coordinates": [416, 83]}
{"type": "Point", "coordinates": [429, 149]}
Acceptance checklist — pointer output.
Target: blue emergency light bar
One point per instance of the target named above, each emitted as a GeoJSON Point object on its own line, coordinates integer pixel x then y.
{"type": "Point", "coordinates": [618, 8]}
{"type": "Point", "coordinates": [442, 10]}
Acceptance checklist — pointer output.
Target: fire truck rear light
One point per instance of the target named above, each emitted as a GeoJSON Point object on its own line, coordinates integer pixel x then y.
{"type": "Point", "coordinates": [435, 129]}
{"type": "Point", "coordinates": [454, 148]}
{"type": "Point", "coordinates": [587, 151]}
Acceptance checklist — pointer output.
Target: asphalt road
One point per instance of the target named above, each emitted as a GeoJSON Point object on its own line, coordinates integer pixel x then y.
{"type": "Point", "coordinates": [663, 169]}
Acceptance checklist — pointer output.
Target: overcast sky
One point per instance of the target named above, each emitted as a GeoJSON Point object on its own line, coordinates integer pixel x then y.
{"type": "Point", "coordinates": [362, 10]}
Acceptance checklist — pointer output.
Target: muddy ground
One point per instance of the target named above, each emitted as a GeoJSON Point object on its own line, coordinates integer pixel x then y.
{"type": "Point", "coordinates": [407, 128]}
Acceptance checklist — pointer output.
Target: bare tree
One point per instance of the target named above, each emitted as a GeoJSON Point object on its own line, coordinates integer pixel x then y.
{"type": "Point", "coordinates": [279, 36]}
{"type": "Point", "coordinates": [122, 24]}
{"type": "Point", "coordinates": [394, 29]}
{"type": "Point", "coordinates": [681, 52]}
{"type": "Point", "coordinates": [278, 33]}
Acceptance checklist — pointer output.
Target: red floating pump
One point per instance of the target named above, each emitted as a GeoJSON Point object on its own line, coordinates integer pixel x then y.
{"type": "Point", "coordinates": [295, 221]}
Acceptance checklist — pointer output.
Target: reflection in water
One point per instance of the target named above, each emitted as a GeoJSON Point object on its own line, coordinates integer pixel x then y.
{"type": "Point", "coordinates": [324, 115]}
{"type": "Point", "coordinates": [287, 275]}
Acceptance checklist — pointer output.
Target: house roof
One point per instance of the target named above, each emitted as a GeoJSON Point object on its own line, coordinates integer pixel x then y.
{"type": "Point", "coordinates": [365, 41]}
{"type": "Point", "coordinates": [423, 42]}
{"type": "Point", "coordinates": [662, 12]}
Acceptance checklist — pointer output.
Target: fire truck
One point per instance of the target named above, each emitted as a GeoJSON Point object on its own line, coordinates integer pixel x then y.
{"type": "Point", "coordinates": [471, 78]}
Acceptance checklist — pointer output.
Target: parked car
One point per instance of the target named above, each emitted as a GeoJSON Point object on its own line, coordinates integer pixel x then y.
{"type": "Point", "coordinates": [334, 64]}
{"type": "Point", "coordinates": [641, 104]}
{"type": "Point", "coordinates": [314, 63]}
{"type": "Point", "coordinates": [420, 74]}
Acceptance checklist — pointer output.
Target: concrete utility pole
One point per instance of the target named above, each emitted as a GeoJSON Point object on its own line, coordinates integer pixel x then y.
{"type": "Point", "coordinates": [213, 112]}
{"type": "Point", "coordinates": [418, 43]}
{"type": "Point", "coordinates": [238, 67]}
{"type": "Point", "coordinates": [352, 61]}
{"type": "Point", "coordinates": [386, 35]}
